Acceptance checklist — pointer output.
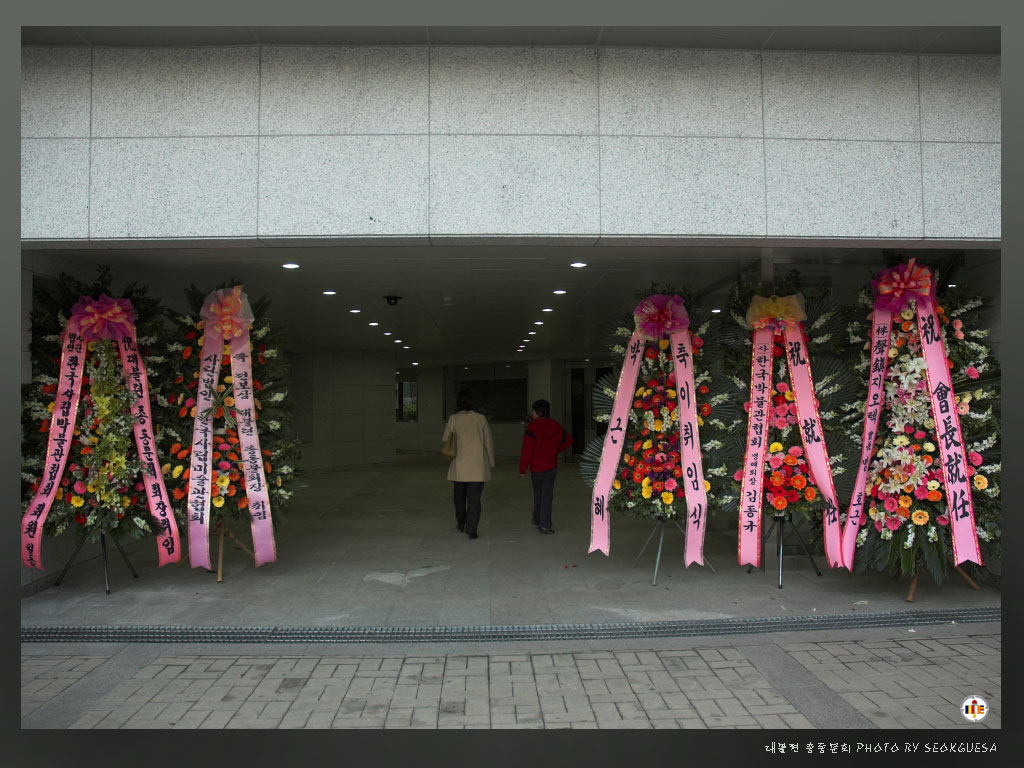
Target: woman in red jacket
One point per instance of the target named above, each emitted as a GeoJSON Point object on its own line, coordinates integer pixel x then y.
{"type": "Point", "coordinates": [545, 438]}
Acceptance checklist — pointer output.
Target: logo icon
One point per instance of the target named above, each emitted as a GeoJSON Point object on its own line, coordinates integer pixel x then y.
{"type": "Point", "coordinates": [974, 709]}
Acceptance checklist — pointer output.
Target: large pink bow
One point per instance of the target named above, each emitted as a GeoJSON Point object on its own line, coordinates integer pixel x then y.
{"type": "Point", "coordinates": [660, 315]}
{"type": "Point", "coordinates": [893, 288]}
{"type": "Point", "coordinates": [227, 314]}
{"type": "Point", "coordinates": [103, 318]}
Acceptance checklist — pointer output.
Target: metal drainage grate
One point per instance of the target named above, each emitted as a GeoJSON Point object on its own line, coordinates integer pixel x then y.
{"type": "Point", "coordinates": [631, 630]}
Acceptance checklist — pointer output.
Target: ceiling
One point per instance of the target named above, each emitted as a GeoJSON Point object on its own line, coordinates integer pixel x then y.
{"type": "Point", "coordinates": [460, 304]}
{"type": "Point", "coordinates": [903, 39]}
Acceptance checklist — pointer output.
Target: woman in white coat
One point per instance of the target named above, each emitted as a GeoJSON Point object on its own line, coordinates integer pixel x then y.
{"type": "Point", "coordinates": [471, 467]}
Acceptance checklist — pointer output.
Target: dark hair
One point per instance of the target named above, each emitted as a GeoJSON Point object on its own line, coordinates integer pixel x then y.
{"type": "Point", "coordinates": [543, 408]}
{"type": "Point", "coordinates": [464, 400]}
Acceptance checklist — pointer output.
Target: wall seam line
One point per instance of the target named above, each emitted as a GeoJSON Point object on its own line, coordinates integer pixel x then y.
{"type": "Point", "coordinates": [764, 145]}
{"type": "Point", "coordinates": [920, 145]}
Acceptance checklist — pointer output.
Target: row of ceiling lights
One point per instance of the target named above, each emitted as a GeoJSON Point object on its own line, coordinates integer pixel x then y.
{"type": "Point", "coordinates": [354, 311]}
{"type": "Point", "coordinates": [557, 292]}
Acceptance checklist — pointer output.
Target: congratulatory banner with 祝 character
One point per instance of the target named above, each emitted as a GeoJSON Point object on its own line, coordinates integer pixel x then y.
{"type": "Point", "coordinates": [927, 480]}
{"type": "Point", "coordinates": [105, 485]}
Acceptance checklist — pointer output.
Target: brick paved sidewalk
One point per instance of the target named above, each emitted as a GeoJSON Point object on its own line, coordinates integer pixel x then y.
{"type": "Point", "coordinates": [886, 683]}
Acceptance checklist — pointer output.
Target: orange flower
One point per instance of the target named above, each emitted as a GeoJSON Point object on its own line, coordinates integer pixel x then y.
{"type": "Point", "coordinates": [927, 460]}
{"type": "Point", "coordinates": [906, 325]}
{"type": "Point", "coordinates": [267, 465]}
{"type": "Point", "coordinates": [265, 452]}
{"type": "Point", "coordinates": [234, 476]}
{"type": "Point", "coordinates": [799, 481]}
{"type": "Point", "coordinates": [178, 494]}
{"type": "Point", "coordinates": [233, 440]}
{"type": "Point", "coordinates": [791, 460]}
{"type": "Point", "coordinates": [186, 353]}
{"type": "Point", "coordinates": [934, 496]}
{"type": "Point", "coordinates": [219, 413]}
{"type": "Point", "coordinates": [779, 502]}
{"type": "Point", "coordinates": [905, 501]}
{"type": "Point", "coordinates": [186, 473]}
{"type": "Point", "coordinates": [175, 448]}
{"type": "Point", "coordinates": [243, 502]}
{"type": "Point", "coordinates": [903, 512]}
{"type": "Point", "coordinates": [216, 454]}
{"type": "Point", "coordinates": [778, 479]}
{"type": "Point", "coordinates": [810, 493]}
{"type": "Point", "coordinates": [182, 453]}
{"type": "Point", "coordinates": [232, 490]}
{"type": "Point", "coordinates": [213, 479]}
{"type": "Point", "coordinates": [909, 488]}
{"type": "Point", "coordinates": [233, 456]}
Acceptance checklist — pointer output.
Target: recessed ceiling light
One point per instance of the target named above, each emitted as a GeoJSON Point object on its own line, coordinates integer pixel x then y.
{"type": "Point", "coordinates": [507, 365]}
{"type": "Point", "coordinates": [531, 333]}
{"type": "Point", "coordinates": [329, 293]}
{"type": "Point", "coordinates": [586, 359]}
{"type": "Point", "coordinates": [538, 322]}
{"type": "Point", "coordinates": [519, 350]}
{"type": "Point", "coordinates": [558, 291]}
{"type": "Point", "coordinates": [406, 346]}
{"type": "Point", "coordinates": [715, 311]}
{"type": "Point", "coordinates": [355, 311]}
{"type": "Point", "coordinates": [578, 264]}
{"type": "Point", "coordinates": [465, 367]}
{"type": "Point", "coordinates": [415, 363]}
{"type": "Point", "coordinates": [951, 285]}
{"type": "Point", "coordinates": [290, 265]}
{"type": "Point", "coordinates": [374, 323]}
{"type": "Point", "coordinates": [398, 341]}
{"type": "Point", "coordinates": [387, 333]}
{"type": "Point", "coordinates": [547, 309]}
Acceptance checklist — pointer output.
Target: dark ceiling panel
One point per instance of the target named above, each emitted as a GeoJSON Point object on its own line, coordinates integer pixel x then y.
{"type": "Point", "coordinates": [341, 35]}
{"type": "Point", "coordinates": [514, 35]}
{"type": "Point", "coordinates": [966, 40]}
{"type": "Point", "coordinates": [854, 39]}
{"type": "Point", "coordinates": [51, 36]}
{"type": "Point", "coordinates": [687, 37]}
{"type": "Point", "coordinates": [143, 36]}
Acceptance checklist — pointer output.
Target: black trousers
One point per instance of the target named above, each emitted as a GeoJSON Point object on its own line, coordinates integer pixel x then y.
{"type": "Point", "coordinates": [467, 505]}
{"type": "Point", "coordinates": [543, 493]}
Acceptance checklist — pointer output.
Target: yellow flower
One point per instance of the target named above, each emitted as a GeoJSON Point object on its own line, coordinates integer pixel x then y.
{"type": "Point", "coordinates": [671, 393]}
{"type": "Point", "coordinates": [640, 391]}
{"type": "Point", "coordinates": [901, 440]}
{"type": "Point", "coordinates": [228, 379]}
{"type": "Point", "coordinates": [91, 487]}
{"type": "Point", "coordinates": [790, 396]}
{"type": "Point", "coordinates": [905, 502]}
{"type": "Point", "coordinates": [60, 494]}
{"type": "Point", "coordinates": [775, 447]}
{"type": "Point", "coordinates": [125, 502]}
{"type": "Point", "coordinates": [920, 517]}
{"type": "Point", "coordinates": [707, 485]}
{"type": "Point", "coordinates": [648, 391]}
{"type": "Point", "coordinates": [50, 407]}
{"type": "Point", "coordinates": [647, 444]}
{"type": "Point", "coordinates": [77, 501]}
{"type": "Point", "coordinates": [177, 471]}
{"type": "Point", "coordinates": [907, 313]}
{"type": "Point", "coordinates": [616, 485]}
{"type": "Point", "coordinates": [646, 491]}
{"type": "Point", "coordinates": [893, 351]}
{"type": "Point", "coordinates": [659, 425]}
{"type": "Point", "coordinates": [700, 421]}
{"type": "Point", "coordinates": [221, 387]}
{"type": "Point", "coordinates": [226, 350]}
{"type": "Point", "coordinates": [933, 485]}
{"type": "Point", "coordinates": [646, 482]}
{"type": "Point", "coordinates": [667, 498]}
{"type": "Point", "coordinates": [980, 482]}
{"type": "Point", "coordinates": [223, 481]}
{"type": "Point", "coordinates": [229, 402]}
{"type": "Point", "coordinates": [165, 468]}
{"type": "Point", "coordinates": [279, 481]}
{"type": "Point", "coordinates": [663, 344]}
{"type": "Point", "coordinates": [873, 512]}
{"type": "Point", "coordinates": [626, 458]}
{"type": "Point", "coordinates": [929, 447]}
{"type": "Point", "coordinates": [218, 501]}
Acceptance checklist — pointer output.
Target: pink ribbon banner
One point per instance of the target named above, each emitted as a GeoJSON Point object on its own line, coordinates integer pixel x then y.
{"type": "Point", "coordinates": [893, 290]}
{"type": "Point", "coordinates": [769, 316]}
{"type": "Point", "coordinates": [749, 545]}
{"type": "Point", "coordinates": [881, 328]}
{"type": "Point", "coordinates": [227, 318]}
{"type": "Point", "coordinates": [93, 319]}
{"type": "Point", "coordinates": [813, 438]}
{"type": "Point", "coordinates": [689, 448]}
{"type": "Point", "coordinates": [657, 316]}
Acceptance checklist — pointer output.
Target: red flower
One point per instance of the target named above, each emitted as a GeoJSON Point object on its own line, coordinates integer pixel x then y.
{"type": "Point", "coordinates": [257, 385]}
{"type": "Point", "coordinates": [705, 409]}
{"type": "Point", "coordinates": [698, 342]}
{"type": "Point", "coordinates": [80, 518]}
{"type": "Point", "coordinates": [677, 471]}
{"type": "Point", "coordinates": [651, 353]}
{"type": "Point", "coordinates": [638, 403]}
{"type": "Point", "coordinates": [190, 335]}
{"type": "Point", "coordinates": [45, 425]}
{"type": "Point", "coordinates": [703, 389]}
{"type": "Point", "coordinates": [48, 388]}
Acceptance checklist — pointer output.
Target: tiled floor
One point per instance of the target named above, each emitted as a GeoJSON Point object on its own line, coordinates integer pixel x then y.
{"type": "Point", "coordinates": [885, 683]}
